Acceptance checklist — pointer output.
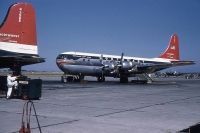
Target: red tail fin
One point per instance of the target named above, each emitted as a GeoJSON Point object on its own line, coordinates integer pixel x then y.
{"type": "Point", "coordinates": [18, 30]}
{"type": "Point", "coordinates": [19, 25]}
{"type": "Point", "coordinates": [172, 51]}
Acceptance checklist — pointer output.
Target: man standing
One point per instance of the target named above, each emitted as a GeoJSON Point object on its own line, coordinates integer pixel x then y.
{"type": "Point", "coordinates": [11, 82]}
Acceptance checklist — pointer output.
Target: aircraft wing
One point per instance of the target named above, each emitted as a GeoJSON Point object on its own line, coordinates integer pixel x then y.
{"type": "Point", "coordinates": [150, 68]}
{"type": "Point", "coordinates": [6, 61]}
{"type": "Point", "coordinates": [182, 63]}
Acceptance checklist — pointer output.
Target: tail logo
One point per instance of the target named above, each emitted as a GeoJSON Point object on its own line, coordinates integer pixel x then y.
{"type": "Point", "coordinates": [173, 47]}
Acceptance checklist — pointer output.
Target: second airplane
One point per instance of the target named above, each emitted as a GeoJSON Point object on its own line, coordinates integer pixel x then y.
{"type": "Point", "coordinates": [76, 65]}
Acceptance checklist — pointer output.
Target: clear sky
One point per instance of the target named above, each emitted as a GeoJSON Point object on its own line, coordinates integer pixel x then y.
{"type": "Point", "coordinates": [140, 28]}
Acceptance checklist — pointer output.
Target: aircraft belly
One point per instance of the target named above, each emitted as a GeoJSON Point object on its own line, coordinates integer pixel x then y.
{"type": "Point", "coordinates": [9, 53]}
{"type": "Point", "coordinates": [83, 69]}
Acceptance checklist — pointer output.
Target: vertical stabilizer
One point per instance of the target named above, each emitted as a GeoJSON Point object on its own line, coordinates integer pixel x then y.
{"type": "Point", "coordinates": [172, 51]}
{"type": "Point", "coordinates": [18, 30]}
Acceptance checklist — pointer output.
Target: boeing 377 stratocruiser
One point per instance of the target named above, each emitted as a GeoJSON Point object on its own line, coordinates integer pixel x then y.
{"type": "Point", "coordinates": [76, 65]}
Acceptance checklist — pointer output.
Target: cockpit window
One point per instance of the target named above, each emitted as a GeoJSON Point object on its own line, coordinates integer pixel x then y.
{"type": "Point", "coordinates": [60, 56]}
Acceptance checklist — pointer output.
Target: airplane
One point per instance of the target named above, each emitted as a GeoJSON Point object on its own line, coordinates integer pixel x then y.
{"type": "Point", "coordinates": [76, 65]}
{"type": "Point", "coordinates": [18, 40]}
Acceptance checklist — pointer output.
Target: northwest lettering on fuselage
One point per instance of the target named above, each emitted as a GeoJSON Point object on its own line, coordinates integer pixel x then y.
{"type": "Point", "coordinates": [9, 35]}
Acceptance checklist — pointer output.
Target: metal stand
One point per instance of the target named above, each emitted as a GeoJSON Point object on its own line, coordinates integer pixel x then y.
{"type": "Point", "coordinates": [25, 127]}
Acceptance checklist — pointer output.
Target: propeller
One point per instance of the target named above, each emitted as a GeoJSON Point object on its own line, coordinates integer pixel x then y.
{"type": "Point", "coordinates": [101, 59]}
{"type": "Point", "coordinates": [103, 67]}
{"type": "Point", "coordinates": [122, 57]}
{"type": "Point", "coordinates": [118, 66]}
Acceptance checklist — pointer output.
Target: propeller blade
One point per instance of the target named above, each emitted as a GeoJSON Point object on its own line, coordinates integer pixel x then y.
{"type": "Point", "coordinates": [101, 59]}
{"type": "Point", "coordinates": [122, 56]}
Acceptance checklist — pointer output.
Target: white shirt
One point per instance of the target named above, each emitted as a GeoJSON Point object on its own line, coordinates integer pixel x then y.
{"type": "Point", "coordinates": [10, 80]}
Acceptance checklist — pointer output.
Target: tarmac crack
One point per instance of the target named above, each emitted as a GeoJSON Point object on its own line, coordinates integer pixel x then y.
{"type": "Point", "coordinates": [143, 107]}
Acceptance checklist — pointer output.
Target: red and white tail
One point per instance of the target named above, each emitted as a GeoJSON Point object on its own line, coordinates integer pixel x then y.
{"type": "Point", "coordinates": [172, 51]}
{"type": "Point", "coordinates": [18, 30]}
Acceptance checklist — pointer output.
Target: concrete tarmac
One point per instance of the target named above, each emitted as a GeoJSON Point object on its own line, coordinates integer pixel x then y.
{"type": "Point", "coordinates": [165, 106]}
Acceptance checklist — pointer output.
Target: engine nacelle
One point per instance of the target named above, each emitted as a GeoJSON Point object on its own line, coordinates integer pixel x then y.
{"type": "Point", "coordinates": [109, 66]}
{"type": "Point", "coordinates": [127, 65]}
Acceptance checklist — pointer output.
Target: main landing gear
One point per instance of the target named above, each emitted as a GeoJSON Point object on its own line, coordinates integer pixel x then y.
{"type": "Point", "coordinates": [72, 78]}
{"type": "Point", "coordinates": [101, 79]}
{"type": "Point", "coordinates": [140, 78]}
{"type": "Point", "coordinates": [123, 79]}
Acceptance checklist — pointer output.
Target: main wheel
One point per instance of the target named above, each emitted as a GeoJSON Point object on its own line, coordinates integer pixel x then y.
{"type": "Point", "coordinates": [101, 79]}
{"type": "Point", "coordinates": [63, 79]}
{"type": "Point", "coordinates": [123, 79]}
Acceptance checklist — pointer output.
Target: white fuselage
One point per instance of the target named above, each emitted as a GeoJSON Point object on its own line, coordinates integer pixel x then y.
{"type": "Point", "coordinates": [90, 64]}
